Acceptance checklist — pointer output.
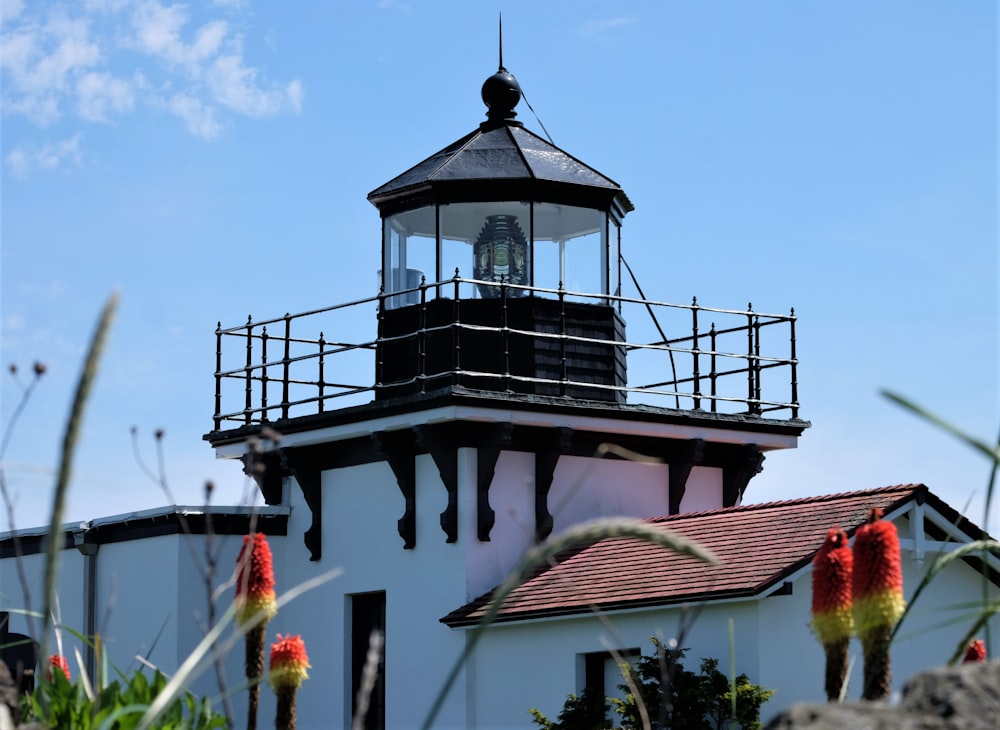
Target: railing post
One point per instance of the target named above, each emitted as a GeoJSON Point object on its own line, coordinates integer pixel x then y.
{"type": "Point", "coordinates": [756, 361]}
{"type": "Point", "coordinates": [795, 368]}
{"type": "Point", "coordinates": [263, 374]}
{"type": "Point", "coordinates": [285, 365]}
{"type": "Point", "coordinates": [563, 369]}
{"type": "Point", "coordinates": [322, 373]}
{"type": "Point", "coordinates": [379, 332]}
{"type": "Point", "coordinates": [422, 335]}
{"type": "Point", "coordinates": [751, 407]}
{"type": "Point", "coordinates": [456, 328]}
{"type": "Point", "coordinates": [218, 376]}
{"type": "Point", "coordinates": [713, 375]}
{"type": "Point", "coordinates": [504, 335]}
{"type": "Point", "coordinates": [249, 382]}
{"type": "Point", "coordinates": [696, 375]}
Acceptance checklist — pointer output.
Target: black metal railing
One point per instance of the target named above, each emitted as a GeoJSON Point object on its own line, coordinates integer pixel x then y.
{"type": "Point", "coordinates": [275, 369]}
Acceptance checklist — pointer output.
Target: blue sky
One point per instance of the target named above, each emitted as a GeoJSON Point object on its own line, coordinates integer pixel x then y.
{"type": "Point", "coordinates": [211, 160]}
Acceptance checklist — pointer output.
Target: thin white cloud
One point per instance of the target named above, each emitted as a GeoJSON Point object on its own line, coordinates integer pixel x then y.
{"type": "Point", "coordinates": [596, 27]}
{"type": "Point", "coordinates": [157, 32]}
{"type": "Point", "coordinates": [396, 5]}
{"type": "Point", "coordinates": [235, 86]}
{"type": "Point", "coordinates": [100, 96]}
{"type": "Point", "coordinates": [13, 322]}
{"type": "Point", "coordinates": [10, 9]}
{"type": "Point", "coordinates": [39, 61]}
{"type": "Point", "coordinates": [24, 160]}
{"type": "Point", "coordinates": [296, 95]}
{"type": "Point", "coordinates": [104, 59]}
{"type": "Point", "coordinates": [106, 6]}
{"type": "Point", "coordinates": [198, 117]}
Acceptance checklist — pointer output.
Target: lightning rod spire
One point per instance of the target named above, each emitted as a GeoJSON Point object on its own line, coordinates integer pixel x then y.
{"type": "Point", "coordinates": [501, 42]}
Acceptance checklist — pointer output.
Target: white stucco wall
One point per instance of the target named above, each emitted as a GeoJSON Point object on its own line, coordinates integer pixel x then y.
{"type": "Point", "coordinates": [137, 588]}
{"type": "Point", "coordinates": [703, 490]}
{"type": "Point", "coordinates": [192, 609]}
{"type": "Point", "coordinates": [69, 587]}
{"type": "Point", "coordinates": [361, 507]}
{"type": "Point", "coordinates": [512, 497]}
{"type": "Point", "coordinates": [585, 488]}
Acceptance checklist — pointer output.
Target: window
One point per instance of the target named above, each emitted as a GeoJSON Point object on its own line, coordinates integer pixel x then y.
{"type": "Point", "coordinates": [601, 672]}
{"type": "Point", "coordinates": [367, 616]}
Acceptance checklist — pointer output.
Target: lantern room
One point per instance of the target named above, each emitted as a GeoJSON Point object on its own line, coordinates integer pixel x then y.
{"type": "Point", "coordinates": [517, 231]}
{"type": "Point", "coordinates": [500, 205]}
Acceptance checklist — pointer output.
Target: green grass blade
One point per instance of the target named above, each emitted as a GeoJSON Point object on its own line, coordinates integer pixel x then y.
{"type": "Point", "coordinates": [991, 453]}
{"type": "Point", "coordinates": [942, 562]}
{"type": "Point", "coordinates": [111, 720]}
{"type": "Point", "coordinates": [70, 437]}
{"type": "Point", "coordinates": [988, 612]}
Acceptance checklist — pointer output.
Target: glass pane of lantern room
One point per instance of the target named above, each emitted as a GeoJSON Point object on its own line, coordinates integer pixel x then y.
{"type": "Point", "coordinates": [570, 249]}
{"type": "Point", "coordinates": [485, 241]}
{"type": "Point", "coordinates": [408, 254]}
{"type": "Point", "coordinates": [614, 258]}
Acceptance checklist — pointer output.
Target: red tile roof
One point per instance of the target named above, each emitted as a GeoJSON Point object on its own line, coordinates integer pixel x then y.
{"type": "Point", "coordinates": [760, 546]}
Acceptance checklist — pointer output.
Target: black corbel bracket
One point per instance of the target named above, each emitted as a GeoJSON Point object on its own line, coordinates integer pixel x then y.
{"type": "Point", "coordinates": [747, 463]}
{"type": "Point", "coordinates": [689, 455]}
{"type": "Point", "coordinates": [547, 456]}
{"type": "Point", "coordinates": [492, 440]}
{"type": "Point", "coordinates": [442, 443]}
{"type": "Point", "coordinates": [304, 465]}
{"type": "Point", "coordinates": [268, 471]}
{"type": "Point", "coordinates": [399, 449]}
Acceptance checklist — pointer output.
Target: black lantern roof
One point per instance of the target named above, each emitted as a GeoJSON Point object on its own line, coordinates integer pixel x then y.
{"type": "Point", "coordinates": [500, 161]}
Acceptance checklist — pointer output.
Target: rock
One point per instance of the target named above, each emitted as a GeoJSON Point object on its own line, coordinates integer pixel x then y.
{"type": "Point", "coordinates": [966, 697]}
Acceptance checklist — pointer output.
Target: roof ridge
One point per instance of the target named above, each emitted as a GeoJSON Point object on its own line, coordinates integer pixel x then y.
{"type": "Point", "coordinates": [820, 498]}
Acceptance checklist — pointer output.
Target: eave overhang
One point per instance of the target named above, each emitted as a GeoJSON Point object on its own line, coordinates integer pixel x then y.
{"type": "Point", "coordinates": [638, 421]}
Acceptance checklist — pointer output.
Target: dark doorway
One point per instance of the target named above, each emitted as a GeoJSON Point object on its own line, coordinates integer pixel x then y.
{"type": "Point", "coordinates": [368, 616]}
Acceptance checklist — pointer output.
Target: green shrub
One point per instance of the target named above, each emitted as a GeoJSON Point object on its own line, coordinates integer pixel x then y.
{"type": "Point", "coordinates": [672, 697]}
{"type": "Point", "coordinates": [589, 711]}
{"type": "Point", "coordinates": [57, 703]}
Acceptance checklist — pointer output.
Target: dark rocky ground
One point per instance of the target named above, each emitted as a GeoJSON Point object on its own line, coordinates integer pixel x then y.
{"type": "Point", "coordinates": [966, 697]}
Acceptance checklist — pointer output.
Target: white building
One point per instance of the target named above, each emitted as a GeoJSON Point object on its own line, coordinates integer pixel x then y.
{"type": "Point", "coordinates": [502, 412]}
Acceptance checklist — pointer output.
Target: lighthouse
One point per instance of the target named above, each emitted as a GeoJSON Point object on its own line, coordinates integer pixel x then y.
{"type": "Point", "coordinates": [500, 385]}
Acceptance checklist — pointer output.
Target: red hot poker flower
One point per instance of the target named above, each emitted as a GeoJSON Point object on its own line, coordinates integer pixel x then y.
{"type": "Point", "coordinates": [255, 580]}
{"type": "Point", "coordinates": [878, 575]}
{"type": "Point", "coordinates": [288, 668]}
{"type": "Point", "coordinates": [831, 607]}
{"type": "Point", "coordinates": [975, 652]}
{"type": "Point", "coordinates": [58, 661]}
{"type": "Point", "coordinates": [831, 582]}
{"type": "Point", "coordinates": [878, 598]}
{"type": "Point", "coordinates": [255, 600]}
{"type": "Point", "coordinates": [288, 662]}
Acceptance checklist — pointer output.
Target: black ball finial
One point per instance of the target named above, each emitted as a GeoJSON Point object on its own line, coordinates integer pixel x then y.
{"type": "Point", "coordinates": [501, 93]}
